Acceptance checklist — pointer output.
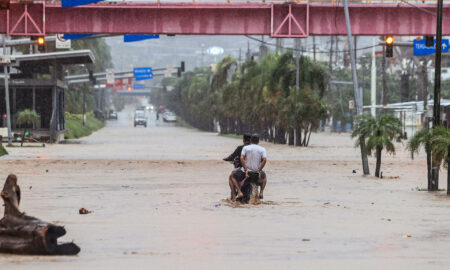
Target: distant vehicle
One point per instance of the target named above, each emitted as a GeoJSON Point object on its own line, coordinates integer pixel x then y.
{"type": "Point", "coordinates": [169, 116]}
{"type": "Point", "coordinates": [140, 119]}
{"type": "Point", "coordinates": [150, 108]}
{"type": "Point", "coordinates": [112, 114]}
{"type": "Point", "coordinates": [139, 111]}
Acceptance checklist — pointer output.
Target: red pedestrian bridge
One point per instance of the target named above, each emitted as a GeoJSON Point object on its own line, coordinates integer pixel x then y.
{"type": "Point", "coordinates": [275, 19]}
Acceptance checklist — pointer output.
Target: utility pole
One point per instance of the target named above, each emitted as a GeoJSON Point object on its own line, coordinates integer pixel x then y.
{"type": "Point", "coordinates": [314, 48]}
{"type": "Point", "coordinates": [437, 93]}
{"type": "Point", "coordinates": [6, 80]}
{"type": "Point", "coordinates": [383, 76]}
{"type": "Point", "coordinates": [297, 62]}
{"type": "Point", "coordinates": [330, 61]}
{"type": "Point", "coordinates": [373, 83]}
{"type": "Point", "coordinates": [437, 69]}
{"type": "Point", "coordinates": [357, 94]}
{"type": "Point", "coordinates": [84, 104]}
{"type": "Point", "coordinates": [424, 71]}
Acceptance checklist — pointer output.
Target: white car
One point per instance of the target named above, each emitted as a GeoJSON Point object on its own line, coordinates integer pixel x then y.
{"type": "Point", "coordinates": [169, 116]}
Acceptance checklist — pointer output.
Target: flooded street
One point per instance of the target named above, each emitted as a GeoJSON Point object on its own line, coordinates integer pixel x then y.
{"type": "Point", "coordinates": [158, 201]}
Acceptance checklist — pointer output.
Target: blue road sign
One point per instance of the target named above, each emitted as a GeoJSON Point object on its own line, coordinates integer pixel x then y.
{"type": "Point", "coordinates": [133, 38]}
{"type": "Point", "coordinates": [143, 73]}
{"type": "Point", "coordinates": [74, 3]}
{"type": "Point", "coordinates": [421, 49]}
{"type": "Point", "coordinates": [76, 36]}
{"type": "Point", "coordinates": [138, 86]}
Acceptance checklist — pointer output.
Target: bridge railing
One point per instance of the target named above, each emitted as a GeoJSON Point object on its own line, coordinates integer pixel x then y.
{"type": "Point", "coordinates": [285, 1]}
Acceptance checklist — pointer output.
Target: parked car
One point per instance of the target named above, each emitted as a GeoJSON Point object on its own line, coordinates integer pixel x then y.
{"type": "Point", "coordinates": [169, 116]}
{"type": "Point", "coordinates": [112, 114]}
{"type": "Point", "coordinates": [140, 119]}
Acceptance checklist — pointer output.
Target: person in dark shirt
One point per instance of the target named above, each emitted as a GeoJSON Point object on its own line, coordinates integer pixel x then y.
{"type": "Point", "coordinates": [235, 158]}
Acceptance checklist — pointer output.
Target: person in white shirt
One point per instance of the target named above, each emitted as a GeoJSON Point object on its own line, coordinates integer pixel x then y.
{"type": "Point", "coordinates": [253, 160]}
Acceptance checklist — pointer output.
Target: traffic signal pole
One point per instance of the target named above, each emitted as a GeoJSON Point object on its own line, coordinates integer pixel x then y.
{"type": "Point", "coordinates": [357, 91]}
{"type": "Point", "coordinates": [437, 69]}
{"type": "Point", "coordinates": [437, 93]}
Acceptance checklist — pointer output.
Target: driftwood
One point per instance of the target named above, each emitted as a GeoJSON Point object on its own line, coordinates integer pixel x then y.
{"type": "Point", "coordinates": [22, 234]}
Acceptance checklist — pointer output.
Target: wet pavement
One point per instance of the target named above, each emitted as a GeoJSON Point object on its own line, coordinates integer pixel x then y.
{"type": "Point", "coordinates": [158, 201]}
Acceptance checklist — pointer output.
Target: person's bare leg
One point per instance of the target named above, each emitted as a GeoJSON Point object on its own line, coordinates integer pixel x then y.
{"type": "Point", "coordinates": [263, 185]}
{"type": "Point", "coordinates": [232, 188]}
{"type": "Point", "coordinates": [236, 184]}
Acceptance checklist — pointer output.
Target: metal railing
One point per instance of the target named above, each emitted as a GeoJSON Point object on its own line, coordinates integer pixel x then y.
{"type": "Point", "coordinates": [415, 2]}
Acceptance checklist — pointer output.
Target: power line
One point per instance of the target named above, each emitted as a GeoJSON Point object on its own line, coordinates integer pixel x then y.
{"type": "Point", "coordinates": [299, 50]}
{"type": "Point", "coordinates": [424, 10]}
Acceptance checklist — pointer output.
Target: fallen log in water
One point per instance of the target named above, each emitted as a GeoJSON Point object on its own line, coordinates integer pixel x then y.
{"type": "Point", "coordinates": [22, 234]}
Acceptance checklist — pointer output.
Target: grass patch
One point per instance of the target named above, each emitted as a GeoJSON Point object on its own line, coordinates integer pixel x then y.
{"type": "Point", "coordinates": [182, 123]}
{"type": "Point", "coordinates": [2, 150]}
{"type": "Point", "coordinates": [232, 136]}
{"type": "Point", "coordinates": [74, 125]}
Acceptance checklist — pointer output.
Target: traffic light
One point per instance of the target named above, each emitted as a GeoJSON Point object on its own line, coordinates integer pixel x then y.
{"type": "Point", "coordinates": [389, 46]}
{"type": "Point", "coordinates": [40, 41]}
{"type": "Point", "coordinates": [4, 4]}
{"type": "Point", "coordinates": [91, 77]}
{"type": "Point", "coordinates": [182, 66]}
{"type": "Point", "coordinates": [429, 41]}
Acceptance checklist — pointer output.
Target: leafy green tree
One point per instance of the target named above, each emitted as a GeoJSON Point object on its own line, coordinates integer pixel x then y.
{"type": "Point", "coordinates": [422, 138]}
{"type": "Point", "coordinates": [377, 135]}
{"type": "Point", "coordinates": [441, 150]}
{"type": "Point", "coordinates": [27, 118]}
{"type": "Point", "coordinates": [257, 96]}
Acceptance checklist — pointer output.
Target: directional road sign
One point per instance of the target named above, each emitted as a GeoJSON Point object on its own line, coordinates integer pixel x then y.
{"type": "Point", "coordinates": [143, 73]}
{"type": "Point", "coordinates": [138, 86]}
{"type": "Point", "coordinates": [133, 38]}
{"type": "Point", "coordinates": [74, 3]}
{"type": "Point", "coordinates": [421, 49]}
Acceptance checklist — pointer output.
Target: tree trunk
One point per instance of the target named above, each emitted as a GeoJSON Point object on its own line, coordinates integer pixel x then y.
{"type": "Point", "coordinates": [429, 170]}
{"type": "Point", "coordinates": [291, 137]}
{"type": "Point", "coordinates": [377, 168]}
{"type": "Point", "coordinates": [298, 140]}
{"type": "Point", "coordinates": [23, 137]}
{"type": "Point", "coordinates": [365, 161]}
{"type": "Point", "coordinates": [22, 234]}
{"type": "Point", "coordinates": [305, 135]}
{"type": "Point", "coordinates": [309, 136]}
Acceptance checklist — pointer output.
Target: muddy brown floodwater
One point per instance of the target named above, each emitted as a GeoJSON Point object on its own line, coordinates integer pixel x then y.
{"type": "Point", "coordinates": [157, 197]}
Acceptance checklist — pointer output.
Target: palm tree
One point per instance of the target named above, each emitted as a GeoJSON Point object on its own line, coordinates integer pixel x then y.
{"type": "Point", "coordinates": [27, 118]}
{"type": "Point", "coordinates": [423, 138]}
{"type": "Point", "coordinates": [362, 130]}
{"type": "Point", "coordinates": [377, 135]}
{"type": "Point", "coordinates": [441, 149]}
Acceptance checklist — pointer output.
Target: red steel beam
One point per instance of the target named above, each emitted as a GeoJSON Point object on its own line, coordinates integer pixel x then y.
{"type": "Point", "coordinates": [223, 19]}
